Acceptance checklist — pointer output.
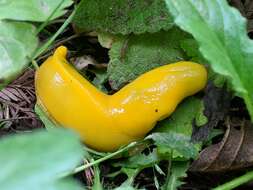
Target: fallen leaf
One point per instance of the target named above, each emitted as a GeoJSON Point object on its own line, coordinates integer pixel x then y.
{"type": "Point", "coordinates": [235, 151]}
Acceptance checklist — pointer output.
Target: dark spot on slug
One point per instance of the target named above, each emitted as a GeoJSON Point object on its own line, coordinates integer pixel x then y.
{"type": "Point", "coordinates": [156, 110]}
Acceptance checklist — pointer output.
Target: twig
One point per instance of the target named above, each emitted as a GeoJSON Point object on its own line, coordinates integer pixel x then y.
{"type": "Point", "coordinates": [51, 40]}
{"type": "Point", "coordinates": [95, 162]}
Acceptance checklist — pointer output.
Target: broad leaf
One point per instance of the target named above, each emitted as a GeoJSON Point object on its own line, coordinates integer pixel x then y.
{"type": "Point", "coordinates": [133, 55]}
{"type": "Point", "coordinates": [32, 10]}
{"type": "Point", "coordinates": [122, 17]}
{"type": "Point", "coordinates": [221, 33]}
{"type": "Point", "coordinates": [35, 161]}
{"type": "Point", "coordinates": [17, 43]}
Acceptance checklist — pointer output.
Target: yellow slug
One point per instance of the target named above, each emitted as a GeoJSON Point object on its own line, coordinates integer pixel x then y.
{"type": "Point", "coordinates": [106, 122]}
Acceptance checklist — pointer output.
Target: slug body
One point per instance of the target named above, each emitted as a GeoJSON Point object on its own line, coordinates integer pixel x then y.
{"type": "Point", "coordinates": [106, 122]}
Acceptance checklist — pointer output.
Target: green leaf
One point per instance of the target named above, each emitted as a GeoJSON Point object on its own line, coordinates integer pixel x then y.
{"type": "Point", "coordinates": [17, 42]}
{"type": "Point", "coordinates": [131, 174]}
{"type": "Point", "coordinates": [134, 164]}
{"type": "Point", "coordinates": [125, 187]}
{"type": "Point", "coordinates": [201, 119]}
{"type": "Point", "coordinates": [36, 160]}
{"type": "Point", "coordinates": [122, 17]}
{"type": "Point", "coordinates": [48, 122]}
{"type": "Point", "coordinates": [191, 48]}
{"type": "Point", "coordinates": [181, 120]}
{"type": "Point", "coordinates": [175, 141]}
{"type": "Point", "coordinates": [140, 160]}
{"type": "Point", "coordinates": [32, 10]}
{"type": "Point", "coordinates": [97, 185]}
{"type": "Point", "coordinates": [106, 39]}
{"type": "Point", "coordinates": [62, 184]}
{"type": "Point", "coordinates": [136, 54]}
{"type": "Point", "coordinates": [100, 79]}
{"type": "Point", "coordinates": [221, 33]}
{"type": "Point", "coordinates": [177, 171]}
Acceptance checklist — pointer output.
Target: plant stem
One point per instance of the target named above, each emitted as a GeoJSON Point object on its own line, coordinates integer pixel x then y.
{"type": "Point", "coordinates": [130, 180]}
{"type": "Point", "coordinates": [236, 182]}
{"type": "Point", "coordinates": [94, 152]}
{"type": "Point", "coordinates": [35, 65]}
{"type": "Point", "coordinates": [85, 166]}
{"type": "Point", "coordinates": [49, 18]}
{"type": "Point", "coordinates": [169, 169]}
{"type": "Point", "coordinates": [51, 40]}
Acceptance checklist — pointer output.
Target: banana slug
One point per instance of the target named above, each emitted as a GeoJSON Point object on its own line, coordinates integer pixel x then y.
{"type": "Point", "coordinates": [106, 122]}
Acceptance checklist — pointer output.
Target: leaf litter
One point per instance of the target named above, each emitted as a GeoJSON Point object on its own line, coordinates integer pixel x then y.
{"type": "Point", "coordinates": [17, 104]}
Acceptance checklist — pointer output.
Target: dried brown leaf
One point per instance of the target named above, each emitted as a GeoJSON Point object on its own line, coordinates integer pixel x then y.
{"type": "Point", "coordinates": [235, 151]}
{"type": "Point", "coordinates": [83, 62]}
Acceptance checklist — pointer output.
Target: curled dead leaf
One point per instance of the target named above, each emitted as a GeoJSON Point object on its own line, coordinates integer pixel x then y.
{"type": "Point", "coordinates": [235, 151]}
